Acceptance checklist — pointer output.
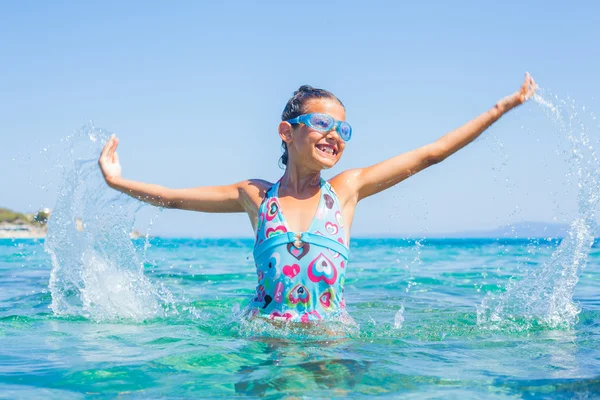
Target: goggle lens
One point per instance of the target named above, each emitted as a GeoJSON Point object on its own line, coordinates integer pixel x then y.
{"type": "Point", "coordinates": [345, 131]}
{"type": "Point", "coordinates": [321, 122]}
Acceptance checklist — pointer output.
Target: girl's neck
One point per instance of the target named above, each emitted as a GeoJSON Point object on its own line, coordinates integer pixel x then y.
{"type": "Point", "coordinates": [296, 181]}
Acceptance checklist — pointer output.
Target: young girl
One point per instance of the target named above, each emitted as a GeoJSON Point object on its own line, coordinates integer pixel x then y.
{"type": "Point", "coordinates": [302, 222]}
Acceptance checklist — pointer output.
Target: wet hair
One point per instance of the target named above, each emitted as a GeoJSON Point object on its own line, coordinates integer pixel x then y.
{"type": "Point", "coordinates": [297, 105]}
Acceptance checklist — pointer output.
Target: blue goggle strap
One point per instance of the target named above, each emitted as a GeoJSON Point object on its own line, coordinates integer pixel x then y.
{"type": "Point", "coordinates": [294, 120]}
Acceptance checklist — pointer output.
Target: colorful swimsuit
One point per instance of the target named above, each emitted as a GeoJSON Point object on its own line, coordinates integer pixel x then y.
{"type": "Point", "coordinates": [300, 275]}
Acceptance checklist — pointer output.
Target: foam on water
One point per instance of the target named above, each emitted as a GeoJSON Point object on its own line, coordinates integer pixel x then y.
{"type": "Point", "coordinates": [399, 318]}
{"type": "Point", "coordinates": [96, 272]}
{"type": "Point", "coordinates": [545, 296]}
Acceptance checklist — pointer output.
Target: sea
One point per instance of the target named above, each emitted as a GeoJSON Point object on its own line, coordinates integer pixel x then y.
{"type": "Point", "coordinates": [454, 318]}
{"type": "Point", "coordinates": [89, 312]}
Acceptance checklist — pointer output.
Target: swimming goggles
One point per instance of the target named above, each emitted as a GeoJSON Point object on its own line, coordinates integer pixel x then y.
{"type": "Point", "coordinates": [324, 123]}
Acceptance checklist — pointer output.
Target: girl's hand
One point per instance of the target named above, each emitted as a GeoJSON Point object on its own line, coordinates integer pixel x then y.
{"type": "Point", "coordinates": [526, 92]}
{"type": "Point", "coordinates": [109, 160]}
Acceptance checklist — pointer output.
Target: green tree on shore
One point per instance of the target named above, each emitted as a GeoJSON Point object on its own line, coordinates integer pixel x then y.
{"type": "Point", "coordinates": [12, 217]}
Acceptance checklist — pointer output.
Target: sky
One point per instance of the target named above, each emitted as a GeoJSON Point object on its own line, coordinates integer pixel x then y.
{"type": "Point", "coordinates": [195, 90]}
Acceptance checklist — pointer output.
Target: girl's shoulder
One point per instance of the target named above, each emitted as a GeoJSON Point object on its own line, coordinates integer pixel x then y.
{"type": "Point", "coordinates": [255, 188]}
{"type": "Point", "coordinates": [345, 184]}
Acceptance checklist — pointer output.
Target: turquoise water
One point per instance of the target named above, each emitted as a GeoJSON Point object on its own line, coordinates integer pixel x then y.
{"type": "Point", "coordinates": [416, 305]}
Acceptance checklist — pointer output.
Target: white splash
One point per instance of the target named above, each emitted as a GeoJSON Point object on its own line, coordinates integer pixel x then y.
{"type": "Point", "coordinates": [545, 296]}
{"type": "Point", "coordinates": [399, 318]}
{"type": "Point", "coordinates": [96, 271]}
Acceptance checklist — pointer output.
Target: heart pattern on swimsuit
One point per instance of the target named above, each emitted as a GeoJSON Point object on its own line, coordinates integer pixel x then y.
{"type": "Point", "coordinates": [328, 201]}
{"type": "Point", "coordinates": [272, 209]}
{"type": "Point", "coordinates": [298, 252]}
{"type": "Point", "coordinates": [291, 270]}
{"type": "Point", "coordinates": [311, 316]}
{"type": "Point", "coordinates": [325, 299]}
{"type": "Point", "coordinates": [322, 269]}
{"type": "Point", "coordinates": [298, 294]}
{"type": "Point", "coordinates": [278, 230]}
{"type": "Point", "coordinates": [276, 315]}
{"type": "Point", "coordinates": [331, 228]}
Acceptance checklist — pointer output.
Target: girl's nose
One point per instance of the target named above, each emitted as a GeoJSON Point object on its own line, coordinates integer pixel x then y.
{"type": "Point", "coordinates": [333, 132]}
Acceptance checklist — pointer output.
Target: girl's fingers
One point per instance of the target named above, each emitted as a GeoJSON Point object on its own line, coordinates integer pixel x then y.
{"type": "Point", "coordinates": [532, 87]}
{"type": "Point", "coordinates": [526, 82]}
{"type": "Point", "coordinates": [528, 88]}
{"type": "Point", "coordinates": [105, 148]}
{"type": "Point", "coordinates": [109, 149]}
{"type": "Point", "coordinates": [523, 92]}
{"type": "Point", "coordinates": [113, 147]}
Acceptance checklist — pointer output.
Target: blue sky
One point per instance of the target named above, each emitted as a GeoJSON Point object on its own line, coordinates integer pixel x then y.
{"type": "Point", "coordinates": [195, 91]}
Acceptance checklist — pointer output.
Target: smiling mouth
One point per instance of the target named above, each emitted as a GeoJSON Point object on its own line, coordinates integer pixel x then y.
{"type": "Point", "coordinates": [325, 149]}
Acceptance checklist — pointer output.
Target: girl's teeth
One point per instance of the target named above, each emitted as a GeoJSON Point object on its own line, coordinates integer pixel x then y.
{"type": "Point", "coordinates": [327, 150]}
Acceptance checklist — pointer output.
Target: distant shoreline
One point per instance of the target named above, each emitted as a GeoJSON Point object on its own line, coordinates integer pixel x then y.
{"type": "Point", "coordinates": [21, 231]}
{"type": "Point", "coordinates": [28, 231]}
{"type": "Point", "coordinates": [25, 226]}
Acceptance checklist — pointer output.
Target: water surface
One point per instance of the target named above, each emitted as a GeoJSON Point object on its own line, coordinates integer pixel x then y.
{"type": "Point", "coordinates": [415, 303]}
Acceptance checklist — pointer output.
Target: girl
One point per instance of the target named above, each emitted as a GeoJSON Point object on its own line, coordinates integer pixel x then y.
{"type": "Point", "coordinates": [302, 222]}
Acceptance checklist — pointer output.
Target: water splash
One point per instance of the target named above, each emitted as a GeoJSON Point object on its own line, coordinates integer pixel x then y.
{"type": "Point", "coordinates": [545, 296]}
{"type": "Point", "coordinates": [96, 272]}
{"type": "Point", "coordinates": [399, 318]}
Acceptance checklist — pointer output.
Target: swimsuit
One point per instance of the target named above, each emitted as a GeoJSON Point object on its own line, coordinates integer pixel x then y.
{"type": "Point", "coordinates": [300, 275]}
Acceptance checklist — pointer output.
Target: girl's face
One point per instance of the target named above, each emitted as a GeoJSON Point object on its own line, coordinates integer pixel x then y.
{"type": "Point", "coordinates": [311, 148]}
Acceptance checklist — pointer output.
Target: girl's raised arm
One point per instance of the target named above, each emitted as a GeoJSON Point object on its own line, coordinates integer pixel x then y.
{"type": "Point", "coordinates": [374, 179]}
{"type": "Point", "coordinates": [217, 199]}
